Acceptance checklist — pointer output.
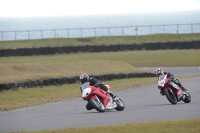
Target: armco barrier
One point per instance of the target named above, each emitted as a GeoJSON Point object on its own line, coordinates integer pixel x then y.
{"type": "Point", "coordinates": [83, 48]}
{"type": "Point", "coordinates": [90, 48]}
{"type": "Point", "coordinates": [188, 45]}
{"type": "Point", "coordinates": [28, 51]}
{"type": "Point", "coordinates": [122, 47]}
{"type": "Point", "coordinates": [196, 44]}
{"type": "Point", "coordinates": [1, 54]}
{"type": "Point", "coordinates": [69, 80]}
{"type": "Point", "coordinates": [164, 45]}
{"type": "Point", "coordinates": [21, 52]}
{"type": "Point", "coordinates": [130, 47]}
{"type": "Point", "coordinates": [6, 52]}
{"type": "Point", "coordinates": [37, 51]}
{"type": "Point", "coordinates": [60, 50]}
{"type": "Point", "coordinates": [139, 46]}
{"type": "Point", "coordinates": [106, 48]}
{"type": "Point", "coordinates": [67, 49]}
{"type": "Point", "coordinates": [45, 50]}
{"type": "Point", "coordinates": [155, 46]}
{"type": "Point", "coordinates": [172, 45]}
{"type": "Point", "coordinates": [181, 45]}
{"type": "Point", "coordinates": [74, 49]}
{"type": "Point", "coordinates": [13, 52]}
{"type": "Point", "coordinates": [99, 48]}
{"type": "Point", "coordinates": [53, 50]}
{"type": "Point", "coordinates": [147, 46]}
{"type": "Point", "coordinates": [114, 48]}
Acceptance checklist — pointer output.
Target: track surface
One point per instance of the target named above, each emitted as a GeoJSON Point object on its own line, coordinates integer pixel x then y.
{"type": "Point", "coordinates": [143, 104]}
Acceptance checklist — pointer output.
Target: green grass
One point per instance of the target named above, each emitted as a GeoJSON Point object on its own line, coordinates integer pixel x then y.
{"type": "Point", "coordinates": [135, 58]}
{"type": "Point", "coordinates": [181, 126]}
{"type": "Point", "coordinates": [99, 41]}
{"type": "Point", "coordinates": [66, 65]}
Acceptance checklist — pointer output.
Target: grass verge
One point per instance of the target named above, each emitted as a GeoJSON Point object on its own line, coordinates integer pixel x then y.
{"type": "Point", "coordinates": [59, 65]}
{"type": "Point", "coordinates": [182, 126]}
{"type": "Point", "coordinates": [98, 41]}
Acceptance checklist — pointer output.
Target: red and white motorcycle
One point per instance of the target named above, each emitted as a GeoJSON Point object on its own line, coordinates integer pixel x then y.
{"type": "Point", "coordinates": [99, 99]}
{"type": "Point", "coordinates": [169, 90]}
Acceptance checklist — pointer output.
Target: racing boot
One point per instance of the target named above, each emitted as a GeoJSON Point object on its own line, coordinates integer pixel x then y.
{"type": "Point", "coordinates": [111, 94]}
{"type": "Point", "coordinates": [183, 88]}
{"type": "Point", "coordinates": [176, 81]}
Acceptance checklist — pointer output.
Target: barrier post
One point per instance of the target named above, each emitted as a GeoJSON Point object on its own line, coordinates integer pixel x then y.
{"type": "Point", "coordinates": [136, 29]}
{"type": "Point", "coordinates": [192, 28]}
{"type": "Point", "coordinates": [28, 35]}
{"type": "Point", "coordinates": [108, 31]}
{"type": "Point", "coordinates": [177, 30]}
{"type": "Point", "coordinates": [81, 32]}
{"type": "Point", "coordinates": [68, 32]}
{"type": "Point", "coordinates": [164, 29]}
{"type": "Point", "coordinates": [122, 31]}
{"type": "Point", "coordinates": [150, 29]}
{"type": "Point", "coordinates": [15, 35]}
{"type": "Point", "coordinates": [2, 35]}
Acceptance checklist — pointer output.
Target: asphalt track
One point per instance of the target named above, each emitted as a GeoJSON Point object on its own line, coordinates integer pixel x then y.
{"type": "Point", "coordinates": [143, 104]}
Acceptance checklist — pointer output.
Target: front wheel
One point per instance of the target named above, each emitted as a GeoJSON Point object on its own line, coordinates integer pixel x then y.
{"type": "Point", "coordinates": [97, 105]}
{"type": "Point", "coordinates": [170, 96]}
{"type": "Point", "coordinates": [120, 105]}
{"type": "Point", "coordinates": [187, 98]}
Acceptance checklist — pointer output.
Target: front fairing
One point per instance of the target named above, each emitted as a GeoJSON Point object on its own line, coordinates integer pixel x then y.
{"type": "Point", "coordinates": [86, 90]}
{"type": "Point", "coordinates": [162, 81]}
{"type": "Point", "coordinates": [94, 91]}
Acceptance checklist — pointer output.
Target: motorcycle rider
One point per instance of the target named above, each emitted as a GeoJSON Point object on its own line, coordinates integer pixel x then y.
{"type": "Point", "coordinates": [160, 71]}
{"type": "Point", "coordinates": [95, 82]}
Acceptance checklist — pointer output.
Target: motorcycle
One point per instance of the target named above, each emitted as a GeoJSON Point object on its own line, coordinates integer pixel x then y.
{"type": "Point", "coordinates": [98, 99]}
{"type": "Point", "coordinates": [169, 89]}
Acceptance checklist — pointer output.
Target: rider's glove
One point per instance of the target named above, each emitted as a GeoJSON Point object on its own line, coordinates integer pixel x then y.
{"type": "Point", "coordinates": [171, 78]}
{"type": "Point", "coordinates": [108, 91]}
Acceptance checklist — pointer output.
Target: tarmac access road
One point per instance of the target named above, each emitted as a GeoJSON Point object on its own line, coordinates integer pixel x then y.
{"type": "Point", "coordinates": [143, 104]}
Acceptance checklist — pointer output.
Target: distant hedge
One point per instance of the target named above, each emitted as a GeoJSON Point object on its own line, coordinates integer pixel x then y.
{"type": "Point", "coordinates": [68, 80]}
{"type": "Point", "coordinates": [99, 48]}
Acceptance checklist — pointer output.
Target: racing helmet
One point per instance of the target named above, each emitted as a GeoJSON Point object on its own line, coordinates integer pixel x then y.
{"type": "Point", "coordinates": [159, 71]}
{"type": "Point", "coordinates": [84, 78]}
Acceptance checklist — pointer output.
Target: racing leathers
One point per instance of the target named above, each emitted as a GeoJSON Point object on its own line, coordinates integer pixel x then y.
{"type": "Point", "coordinates": [173, 81]}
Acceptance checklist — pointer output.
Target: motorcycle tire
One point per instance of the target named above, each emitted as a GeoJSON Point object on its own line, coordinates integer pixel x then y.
{"type": "Point", "coordinates": [97, 105]}
{"type": "Point", "coordinates": [171, 97]}
{"type": "Point", "coordinates": [120, 105]}
{"type": "Point", "coordinates": [89, 107]}
{"type": "Point", "coordinates": [187, 98]}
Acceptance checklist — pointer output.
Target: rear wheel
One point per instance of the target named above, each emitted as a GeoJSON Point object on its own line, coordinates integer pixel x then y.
{"type": "Point", "coordinates": [97, 105]}
{"type": "Point", "coordinates": [170, 96]}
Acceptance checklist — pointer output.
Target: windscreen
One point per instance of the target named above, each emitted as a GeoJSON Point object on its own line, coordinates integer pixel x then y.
{"type": "Point", "coordinates": [161, 77]}
{"type": "Point", "coordinates": [85, 85]}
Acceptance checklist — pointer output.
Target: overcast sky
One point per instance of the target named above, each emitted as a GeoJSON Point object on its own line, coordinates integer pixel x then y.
{"type": "Point", "coordinates": [34, 8]}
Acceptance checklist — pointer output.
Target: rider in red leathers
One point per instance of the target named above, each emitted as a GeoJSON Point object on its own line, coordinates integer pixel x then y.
{"type": "Point", "coordinates": [160, 71]}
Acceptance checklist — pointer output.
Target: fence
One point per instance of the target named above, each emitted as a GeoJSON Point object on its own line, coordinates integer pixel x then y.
{"type": "Point", "coordinates": [100, 31]}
